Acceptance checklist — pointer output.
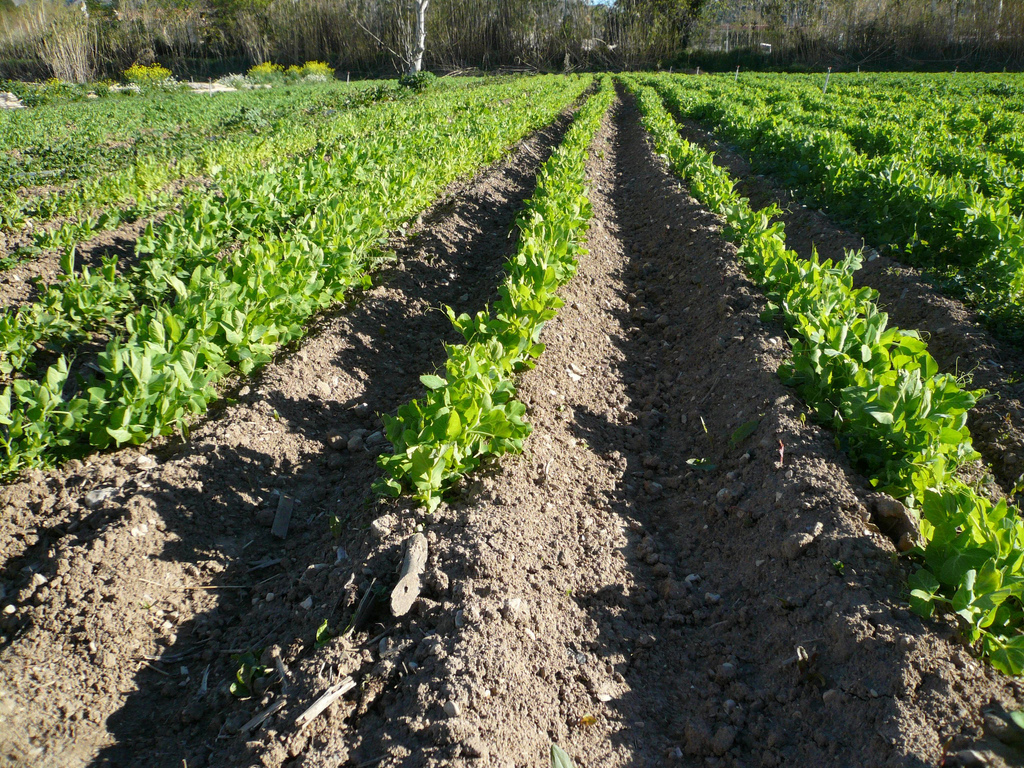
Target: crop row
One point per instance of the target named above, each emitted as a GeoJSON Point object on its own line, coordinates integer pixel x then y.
{"type": "Point", "coordinates": [131, 180]}
{"type": "Point", "coordinates": [946, 225]}
{"type": "Point", "coordinates": [471, 413]}
{"type": "Point", "coordinates": [313, 228]}
{"type": "Point", "coordinates": [901, 421]}
{"type": "Point", "coordinates": [972, 142]}
{"type": "Point", "coordinates": [246, 204]}
{"type": "Point", "coordinates": [53, 143]}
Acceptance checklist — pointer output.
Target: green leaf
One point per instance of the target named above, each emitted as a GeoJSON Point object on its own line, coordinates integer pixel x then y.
{"type": "Point", "coordinates": [559, 759]}
{"type": "Point", "coordinates": [430, 381]}
{"type": "Point", "coordinates": [454, 424]}
{"type": "Point", "coordinates": [743, 431]}
{"type": "Point", "coordinates": [704, 464]}
{"type": "Point", "coordinates": [1008, 656]}
{"type": "Point", "coordinates": [323, 634]}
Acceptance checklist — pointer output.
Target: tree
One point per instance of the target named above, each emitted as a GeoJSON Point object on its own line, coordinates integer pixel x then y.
{"type": "Point", "coordinates": [419, 35]}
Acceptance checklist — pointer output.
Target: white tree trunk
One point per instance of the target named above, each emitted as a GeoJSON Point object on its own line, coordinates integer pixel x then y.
{"type": "Point", "coordinates": [419, 36]}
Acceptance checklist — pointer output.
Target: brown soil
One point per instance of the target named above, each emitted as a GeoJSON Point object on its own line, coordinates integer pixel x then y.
{"type": "Point", "coordinates": [23, 283]}
{"type": "Point", "coordinates": [147, 582]}
{"type": "Point", "coordinates": [956, 338]}
{"type": "Point", "coordinates": [602, 591]}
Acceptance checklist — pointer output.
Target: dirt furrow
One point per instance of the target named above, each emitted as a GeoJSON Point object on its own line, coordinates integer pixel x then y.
{"type": "Point", "coordinates": [956, 338]}
{"type": "Point", "coordinates": [652, 584]}
{"type": "Point", "coordinates": [134, 580]}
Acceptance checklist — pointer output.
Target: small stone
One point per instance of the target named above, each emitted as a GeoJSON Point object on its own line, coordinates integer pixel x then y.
{"type": "Point", "coordinates": [383, 526]}
{"type": "Point", "coordinates": [266, 517]}
{"type": "Point", "coordinates": [38, 580]}
{"type": "Point", "coordinates": [512, 609]}
{"type": "Point", "coordinates": [474, 748]}
{"type": "Point", "coordinates": [97, 496]}
{"type": "Point", "coordinates": [355, 444]}
{"type": "Point", "coordinates": [712, 598]}
{"type": "Point", "coordinates": [375, 438]}
{"type": "Point", "coordinates": [452, 708]}
{"type": "Point", "coordinates": [726, 673]}
{"type": "Point", "coordinates": [723, 740]}
{"type": "Point", "coordinates": [307, 603]}
{"type": "Point", "coordinates": [795, 544]}
{"type": "Point", "coordinates": [697, 736]}
{"type": "Point", "coordinates": [831, 696]}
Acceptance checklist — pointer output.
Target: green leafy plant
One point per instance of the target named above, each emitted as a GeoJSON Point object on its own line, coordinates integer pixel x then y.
{"type": "Point", "coordinates": [470, 415]}
{"type": "Point", "coordinates": [419, 81]}
{"type": "Point", "coordinates": [903, 423]}
{"type": "Point", "coordinates": [559, 759]}
{"type": "Point", "coordinates": [249, 669]}
{"type": "Point", "coordinates": [222, 282]}
{"type": "Point", "coordinates": [266, 73]}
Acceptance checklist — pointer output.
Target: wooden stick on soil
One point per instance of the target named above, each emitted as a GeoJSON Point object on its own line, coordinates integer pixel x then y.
{"type": "Point", "coordinates": [409, 585]}
{"type": "Point", "coordinates": [264, 714]}
{"type": "Point", "coordinates": [327, 698]}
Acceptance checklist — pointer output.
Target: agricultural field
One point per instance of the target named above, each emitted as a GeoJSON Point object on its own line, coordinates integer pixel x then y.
{"type": "Point", "coordinates": [644, 420]}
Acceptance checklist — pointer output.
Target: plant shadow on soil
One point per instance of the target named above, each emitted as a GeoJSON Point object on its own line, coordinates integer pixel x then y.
{"type": "Point", "coordinates": [790, 644]}
{"type": "Point", "coordinates": [377, 347]}
{"type": "Point", "coordinates": [712, 663]}
{"type": "Point", "coordinates": [708, 675]}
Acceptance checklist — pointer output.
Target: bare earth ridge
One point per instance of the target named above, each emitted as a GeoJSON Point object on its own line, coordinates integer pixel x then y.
{"type": "Point", "coordinates": [681, 570]}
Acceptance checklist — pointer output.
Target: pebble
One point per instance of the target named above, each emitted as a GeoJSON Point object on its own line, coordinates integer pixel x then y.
{"type": "Point", "coordinates": [513, 609]}
{"type": "Point", "coordinates": [795, 545]}
{"type": "Point", "coordinates": [726, 673]}
{"type": "Point", "coordinates": [266, 517]}
{"type": "Point", "coordinates": [97, 496]}
{"type": "Point", "coordinates": [723, 739]}
{"type": "Point", "coordinates": [452, 708]}
{"type": "Point", "coordinates": [712, 599]}
{"type": "Point", "coordinates": [831, 696]}
{"type": "Point", "coordinates": [307, 603]}
{"type": "Point", "coordinates": [383, 526]}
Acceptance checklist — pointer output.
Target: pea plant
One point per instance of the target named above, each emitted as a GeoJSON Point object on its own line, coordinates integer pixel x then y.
{"type": "Point", "coordinates": [470, 415]}
{"type": "Point", "coordinates": [902, 422]}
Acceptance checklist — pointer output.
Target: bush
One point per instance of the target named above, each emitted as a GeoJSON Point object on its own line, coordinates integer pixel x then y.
{"type": "Point", "coordinates": [310, 72]}
{"type": "Point", "coordinates": [239, 82]}
{"type": "Point", "coordinates": [317, 69]}
{"type": "Point", "coordinates": [37, 94]}
{"type": "Point", "coordinates": [421, 81]}
{"type": "Point", "coordinates": [266, 73]}
{"type": "Point", "coordinates": [143, 76]}
{"type": "Point", "coordinates": [250, 119]}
